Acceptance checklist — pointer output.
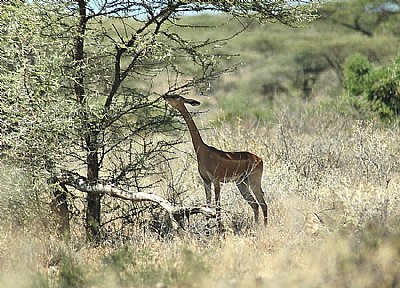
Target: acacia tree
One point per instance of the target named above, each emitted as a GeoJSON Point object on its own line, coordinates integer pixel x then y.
{"type": "Point", "coordinates": [36, 118]}
{"type": "Point", "coordinates": [363, 16]}
{"type": "Point", "coordinates": [114, 60]}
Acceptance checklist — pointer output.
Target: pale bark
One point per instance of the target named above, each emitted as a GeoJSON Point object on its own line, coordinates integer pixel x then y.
{"type": "Point", "coordinates": [176, 213]}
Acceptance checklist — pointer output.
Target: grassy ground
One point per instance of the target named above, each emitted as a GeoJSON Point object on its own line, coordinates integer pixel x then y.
{"type": "Point", "coordinates": [333, 189]}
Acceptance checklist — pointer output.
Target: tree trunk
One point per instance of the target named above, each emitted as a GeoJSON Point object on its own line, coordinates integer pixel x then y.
{"type": "Point", "coordinates": [91, 134]}
{"type": "Point", "coordinates": [93, 200]}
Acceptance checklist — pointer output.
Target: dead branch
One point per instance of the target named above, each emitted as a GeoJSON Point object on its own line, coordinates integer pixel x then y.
{"type": "Point", "coordinates": [176, 213]}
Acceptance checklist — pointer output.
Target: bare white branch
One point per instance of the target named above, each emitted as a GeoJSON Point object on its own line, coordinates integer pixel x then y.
{"type": "Point", "coordinates": [176, 213]}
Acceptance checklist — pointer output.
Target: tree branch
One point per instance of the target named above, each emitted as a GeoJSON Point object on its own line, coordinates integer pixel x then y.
{"type": "Point", "coordinates": [176, 213]}
{"type": "Point", "coordinates": [119, 76]}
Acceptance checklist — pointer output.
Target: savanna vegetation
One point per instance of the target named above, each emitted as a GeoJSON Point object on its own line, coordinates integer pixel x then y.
{"type": "Point", "coordinates": [313, 90]}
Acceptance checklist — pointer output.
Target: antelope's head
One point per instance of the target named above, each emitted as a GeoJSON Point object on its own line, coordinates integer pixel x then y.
{"type": "Point", "coordinates": [179, 102]}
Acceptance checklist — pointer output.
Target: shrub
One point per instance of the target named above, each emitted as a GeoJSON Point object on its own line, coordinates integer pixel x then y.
{"type": "Point", "coordinates": [380, 86]}
{"type": "Point", "coordinates": [357, 68]}
{"type": "Point", "coordinates": [385, 90]}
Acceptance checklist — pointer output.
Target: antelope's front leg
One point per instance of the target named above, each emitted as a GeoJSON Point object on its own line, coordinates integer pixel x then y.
{"type": "Point", "coordinates": [207, 188]}
{"type": "Point", "coordinates": [217, 188]}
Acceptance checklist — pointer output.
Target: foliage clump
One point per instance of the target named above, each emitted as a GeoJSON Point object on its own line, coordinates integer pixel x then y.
{"type": "Point", "coordinates": [379, 86]}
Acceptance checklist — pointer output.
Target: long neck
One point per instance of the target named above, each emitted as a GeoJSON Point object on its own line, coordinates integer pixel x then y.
{"type": "Point", "coordinates": [194, 132]}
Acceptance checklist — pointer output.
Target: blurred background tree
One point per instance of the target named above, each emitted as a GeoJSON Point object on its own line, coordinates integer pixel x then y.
{"type": "Point", "coordinates": [366, 17]}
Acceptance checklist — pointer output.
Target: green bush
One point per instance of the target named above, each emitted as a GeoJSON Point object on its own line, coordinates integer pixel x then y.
{"type": "Point", "coordinates": [380, 86]}
{"type": "Point", "coordinates": [385, 90]}
{"type": "Point", "coordinates": [357, 70]}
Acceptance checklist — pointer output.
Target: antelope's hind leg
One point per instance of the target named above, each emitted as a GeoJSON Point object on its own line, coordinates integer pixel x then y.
{"type": "Point", "coordinates": [245, 191]}
{"type": "Point", "coordinates": [254, 182]}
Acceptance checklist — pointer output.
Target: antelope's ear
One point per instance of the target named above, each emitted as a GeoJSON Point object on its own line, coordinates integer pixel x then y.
{"type": "Point", "coordinates": [192, 102]}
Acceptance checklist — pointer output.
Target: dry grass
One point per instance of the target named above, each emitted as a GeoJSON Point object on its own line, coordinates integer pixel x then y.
{"type": "Point", "coordinates": [333, 189]}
